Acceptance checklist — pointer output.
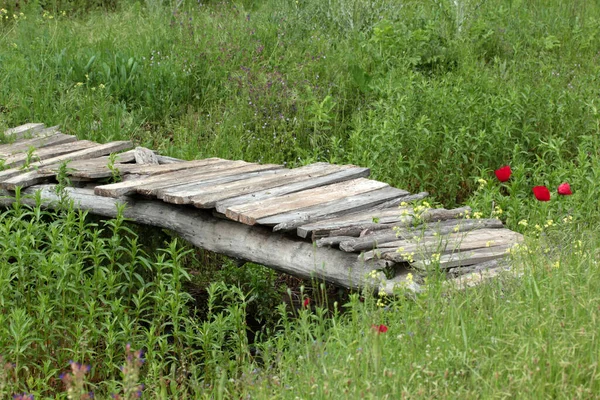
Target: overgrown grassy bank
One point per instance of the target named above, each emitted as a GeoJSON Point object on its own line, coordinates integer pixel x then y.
{"type": "Point", "coordinates": [431, 95]}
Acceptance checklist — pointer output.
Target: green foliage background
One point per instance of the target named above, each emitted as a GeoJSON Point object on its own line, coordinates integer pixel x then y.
{"type": "Point", "coordinates": [431, 95]}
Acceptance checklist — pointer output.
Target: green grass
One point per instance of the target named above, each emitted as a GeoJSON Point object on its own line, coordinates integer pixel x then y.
{"type": "Point", "coordinates": [431, 95]}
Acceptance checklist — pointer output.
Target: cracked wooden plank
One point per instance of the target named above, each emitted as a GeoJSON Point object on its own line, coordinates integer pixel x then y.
{"type": "Point", "coordinates": [250, 213]}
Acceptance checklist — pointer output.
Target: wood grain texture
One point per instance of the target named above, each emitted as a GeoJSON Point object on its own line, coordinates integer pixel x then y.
{"type": "Point", "coordinates": [336, 177]}
{"type": "Point", "coordinates": [92, 152]}
{"type": "Point", "coordinates": [24, 131]}
{"type": "Point", "coordinates": [423, 247]}
{"type": "Point", "coordinates": [387, 215]}
{"type": "Point", "coordinates": [22, 146]}
{"type": "Point", "coordinates": [145, 156]}
{"type": "Point", "coordinates": [205, 196]}
{"type": "Point", "coordinates": [144, 169]}
{"type": "Point", "coordinates": [176, 194]}
{"type": "Point", "coordinates": [209, 198]}
{"type": "Point", "coordinates": [250, 213]}
{"type": "Point", "coordinates": [45, 153]}
{"type": "Point", "coordinates": [292, 220]}
{"type": "Point", "coordinates": [463, 258]}
{"type": "Point", "coordinates": [375, 240]}
{"type": "Point", "coordinates": [129, 187]}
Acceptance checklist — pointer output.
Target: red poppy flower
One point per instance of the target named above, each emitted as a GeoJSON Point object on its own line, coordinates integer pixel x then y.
{"type": "Point", "coordinates": [503, 174]}
{"type": "Point", "coordinates": [306, 302]}
{"type": "Point", "coordinates": [380, 328]}
{"type": "Point", "coordinates": [541, 193]}
{"type": "Point", "coordinates": [564, 189]}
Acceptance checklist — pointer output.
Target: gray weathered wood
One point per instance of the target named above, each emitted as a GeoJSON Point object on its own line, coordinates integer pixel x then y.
{"type": "Point", "coordinates": [250, 213]}
{"type": "Point", "coordinates": [441, 228]}
{"type": "Point", "coordinates": [487, 265]}
{"type": "Point", "coordinates": [407, 199]}
{"type": "Point", "coordinates": [143, 169]}
{"type": "Point", "coordinates": [175, 191]}
{"type": "Point", "coordinates": [24, 131]}
{"type": "Point", "coordinates": [292, 220]}
{"type": "Point", "coordinates": [168, 160]}
{"type": "Point", "coordinates": [323, 227]}
{"type": "Point", "coordinates": [209, 198]}
{"type": "Point", "coordinates": [480, 276]}
{"type": "Point", "coordinates": [121, 158]}
{"type": "Point", "coordinates": [331, 241]}
{"type": "Point", "coordinates": [45, 153]}
{"type": "Point", "coordinates": [269, 177]}
{"type": "Point", "coordinates": [145, 156]}
{"type": "Point", "coordinates": [23, 146]}
{"type": "Point", "coordinates": [92, 152]}
{"type": "Point", "coordinates": [463, 258]}
{"type": "Point", "coordinates": [336, 177]}
{"type": "Point", "coordinates": [365, 229]}
{"type": "Point", "coordinates": [199, 227]}
{"type": "Point", "coordinates": [129, 187]}
{"type": "Point", "coordinates": [423, 247]}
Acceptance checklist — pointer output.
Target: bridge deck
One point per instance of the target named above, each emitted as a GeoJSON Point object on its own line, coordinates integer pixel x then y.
{"type": "Point", "coordinates": [322, 220]}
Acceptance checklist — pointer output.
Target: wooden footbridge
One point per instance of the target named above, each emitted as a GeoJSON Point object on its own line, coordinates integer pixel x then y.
{"type": "Point", "coordinates": [325, 221]}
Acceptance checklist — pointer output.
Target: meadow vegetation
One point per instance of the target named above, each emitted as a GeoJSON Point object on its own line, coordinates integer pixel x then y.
{"type": "Point", "coordinates": [431, 95]}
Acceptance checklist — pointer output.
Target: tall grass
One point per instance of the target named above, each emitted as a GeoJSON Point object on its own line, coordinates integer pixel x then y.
{"type": "Point", "coordinates": [431, 95]}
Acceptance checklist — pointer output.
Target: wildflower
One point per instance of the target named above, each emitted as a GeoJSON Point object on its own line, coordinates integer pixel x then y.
{"type": "Point", "coordinates": [541, 193]}
{"type": "Point", "coordinates": [564, 189]}
{"type": "Point", "coordinates": [409, 278]}
{"type": "Point", "coordinates": [503, 174]}
{"type": "Point", "coordinates": [489, 243]}
{"type": "Point", "coordinates": [549, 223]}
{"type": "Point", "coordinates": [523, 222]}
{"type": "Point", "coordinates": [482, 182]}
{"type": "Point", "coordinates": [79, 84]}
{"type": "Point", "coordinates": [23, 396]}
{"type": "Point", "coordinates": [380, 328]}
{"type": "Point", "coordinates": [477, 215]}
{"type": "Point", "coordinates": [538, 227]}
{"type": "Point", "coordinates": [306, 302]}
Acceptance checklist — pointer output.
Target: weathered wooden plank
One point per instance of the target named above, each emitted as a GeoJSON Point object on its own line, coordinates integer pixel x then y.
{"type": "Point", "coordinates": [404, 218]}
{"type": "Point", "coordinates": [91, 152]}
{"type": "Point", "coordinates": [145, 156]}
{"type": "Point", "coordinates": [370, 228]}
{"type": "Point", "coordinates": [480, 276]}
{"type": "Point", "coordinates": [129, 187]}
{"type": "Point", "coordinates": [441, 228]}
{"type": "Point", "coordinates": [250, 213]}
{"type": "Point", "coordinates": [142, 169]}
{"type": "Point", "coordinates": [331, 241]}
{"type": "Point", "coordinates": [23, 131]}
{"type": "Point", "coordinates": [209, 197]}
{"type": "Point", "coordinates": [463, 258]}
{"type": "Point", "coordinates": [125, 157]}
{"type": "Point", "coordinates": [200, 228]}
{"type": "Point", "coordinates": [24, 145]}
{"type": "Point", "coordinates": [407, 199]}
{"type": "Point", "coordinates": [341, 176]}
{"type": "Point", "coordinates": [167, 159]}
{"type": "Point", "coordinates": [206, 180]}
{"type": "Point", "coordinates": [480, 267]}
{"type": "Point", "coordinates": [454, 242]}
{"type": "Point", "coordinates": [336, 208]}
{"type": "Point", "coordinates": [323, 227]}
{"type": "Point", "coordinates": [47, 152]}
